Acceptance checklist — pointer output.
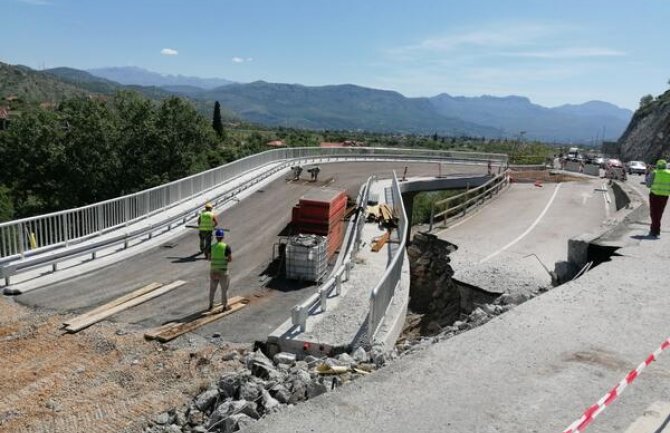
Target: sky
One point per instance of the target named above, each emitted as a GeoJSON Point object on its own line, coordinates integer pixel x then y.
{"type": "Point", "coordinates": [553, 52]}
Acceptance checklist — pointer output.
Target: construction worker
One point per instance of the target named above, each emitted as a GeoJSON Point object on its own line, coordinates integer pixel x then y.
{"type": "Point", "coordinates": [221, 256]}
{"type": "Point", "coordinates": [207, 222]}
{"type": "Point", "coordinates": [314, 172]}
{"type": "Point", "coordinates": [297, 171]}
{"type": "Point", "coordinates": [659, 182]}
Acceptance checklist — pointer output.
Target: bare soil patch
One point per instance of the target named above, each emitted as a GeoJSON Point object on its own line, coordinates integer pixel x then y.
{"type": "Point", "coordinates": [106, 378]}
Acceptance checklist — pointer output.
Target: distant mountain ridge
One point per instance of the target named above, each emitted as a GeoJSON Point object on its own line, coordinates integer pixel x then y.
{"type": "Point", "coordinates": [349, 107]}
{"type": "Point", "coordinates": [517, 115]}
{"type": "Point", "coordinates": [132, 75]}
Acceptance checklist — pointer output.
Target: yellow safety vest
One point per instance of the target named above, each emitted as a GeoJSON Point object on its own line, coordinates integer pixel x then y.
{"type": "Point", "coordinates": [206, 221]}
{"type": "Point", "coordinates": [661, 185]}
{"type": "Point", "coordinates": [219, 258]}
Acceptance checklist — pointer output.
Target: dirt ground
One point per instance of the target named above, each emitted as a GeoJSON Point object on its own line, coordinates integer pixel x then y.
{"type": "Point", "coordinates": [544, 176]}
{"type": "Point", "coordinates": [106, 378]}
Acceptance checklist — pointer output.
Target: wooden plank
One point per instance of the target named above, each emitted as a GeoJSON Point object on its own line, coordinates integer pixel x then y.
{"type": "Point", "coordinates": [379, 242]}
{"type": "Point", "coordinates": [387, 212]}
{"type": "Point", "coordinates": [151, 334]}
{"type": "Point", "coordinates": [131, 303]}
{"type": "Point", "coordinates": [207, 317]}
{"type": "Point", "coordinates": [118, 301]}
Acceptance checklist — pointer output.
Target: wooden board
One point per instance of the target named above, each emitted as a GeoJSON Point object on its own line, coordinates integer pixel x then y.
{"type": "Point", "coordinates": [387, 212]}
{"type": "Point", "coordinates": [170, 333]}
{"type": "Point", "coordinates": [130, 303]}
{"type": "Point", "coordinates": [118, 301]}
{"type": "Point", "coordinates": [379, 242]}
{"type": "Point", "coordinates": [152, 333]}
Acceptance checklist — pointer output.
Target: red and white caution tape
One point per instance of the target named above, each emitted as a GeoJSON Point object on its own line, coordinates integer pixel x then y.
{"type": "Point", "coordinates": [592, 412]}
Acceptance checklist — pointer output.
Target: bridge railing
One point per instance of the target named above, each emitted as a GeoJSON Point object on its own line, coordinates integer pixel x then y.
{"type": "Point", "coordinates": [33, 235]}
{"type": "Point", "coordinates": [459, 205]}
{"type": "Point", "coordinates": [383, 292]}
{"type": "Point", "coordinates": [28, 236]}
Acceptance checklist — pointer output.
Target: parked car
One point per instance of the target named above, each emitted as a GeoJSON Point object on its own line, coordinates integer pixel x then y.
{"type": "Point", "coordinates": [637, 167]}
{"type": "Point", "coordinates": [614, 163]}
{"type": "Point", "coordinates": [599, 160]}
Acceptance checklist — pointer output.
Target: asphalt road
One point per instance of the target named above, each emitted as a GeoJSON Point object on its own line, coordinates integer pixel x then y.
{"type": "Point", "coordinates": [504, 246]}
{"type": "Point", "coordinates": [255, 223]}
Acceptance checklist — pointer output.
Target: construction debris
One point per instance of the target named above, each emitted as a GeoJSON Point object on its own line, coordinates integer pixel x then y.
{"type": "Point", "coordinates": [379, 242]}
{"type": "Point", "coordinates": [381, 213]}
{"type": "Point", "coordinates": [263, 387]}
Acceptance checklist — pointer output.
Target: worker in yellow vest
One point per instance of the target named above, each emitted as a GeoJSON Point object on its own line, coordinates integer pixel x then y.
{"type": "Point", "coordinates": [218, 274]}
{"type": "Point", "coordinates": [659, 184]}
{"type": "Point", "coordinates": [207, 222]}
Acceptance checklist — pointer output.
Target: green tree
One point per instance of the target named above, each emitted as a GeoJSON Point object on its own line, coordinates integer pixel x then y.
{"type": "Point", "coordinates": [6, 205]}
{"type": "Point", "coordinates": [31, 161]}
{"type": "Point", "coordinates": [136, 137]}
{"type": "Point", "coordinates": [646, 100]}
{"type": "Point", "coordinates": [183, 142]}
{"type": "Point", "coordinates": [90, 168]}
{"type": "Point", "coordinates": [216, 121]}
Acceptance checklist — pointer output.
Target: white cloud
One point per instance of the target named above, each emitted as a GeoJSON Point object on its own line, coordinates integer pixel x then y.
{"type": "Point", "coordinates": [241, 59]}
{"type": "Point", "coordinates": [169, 52]}
{"type": "Point", "coordinates": [494, 37]}
{"type": "Point", "coordinates": [569, 53]}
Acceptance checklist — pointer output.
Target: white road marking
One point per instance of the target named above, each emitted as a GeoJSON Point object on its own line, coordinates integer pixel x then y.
{"type": "Point", "coordinates": [528, 230]}
{"type": "Point", "coordinates": [585, 197]}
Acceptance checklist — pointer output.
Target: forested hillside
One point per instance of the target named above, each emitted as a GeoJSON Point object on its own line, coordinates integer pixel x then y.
{"type": "Point", "coordinates": [23, 83]}
{"type": "Point", "coordinates": [90, 150]}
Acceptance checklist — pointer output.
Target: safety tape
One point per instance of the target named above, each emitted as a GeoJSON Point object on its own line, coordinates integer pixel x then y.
{"type": "Point", "coordinates": [592, 412]}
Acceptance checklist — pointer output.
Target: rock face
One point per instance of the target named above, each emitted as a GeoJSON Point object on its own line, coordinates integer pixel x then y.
{"type": "Point", "coordinates": [647, 137]}
{"type": "Point", "coordinates": [432, 291]}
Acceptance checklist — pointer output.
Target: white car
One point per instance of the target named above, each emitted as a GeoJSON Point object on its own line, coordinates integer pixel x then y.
{"type": "Point", "coordinates": [637, 167]}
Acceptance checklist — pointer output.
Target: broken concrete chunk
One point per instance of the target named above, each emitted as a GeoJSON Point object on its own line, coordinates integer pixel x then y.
{"type": "Point", "coordinates": [284, 358]}
{"type": "Point", "coordinates": [206, 399]}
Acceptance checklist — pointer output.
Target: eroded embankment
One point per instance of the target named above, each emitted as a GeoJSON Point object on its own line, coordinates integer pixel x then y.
{"type": "Point", "coordinates": [439, 303]}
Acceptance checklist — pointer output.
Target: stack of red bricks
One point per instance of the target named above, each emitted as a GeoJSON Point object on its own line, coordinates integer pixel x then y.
{"type": "Point", "coordinates": [321, 212]}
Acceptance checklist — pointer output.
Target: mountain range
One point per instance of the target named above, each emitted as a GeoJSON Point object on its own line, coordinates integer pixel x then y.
{"type": "Point", "coordinates": [132, 75]}
{"type": "Point", "coordinates": [348, 107]}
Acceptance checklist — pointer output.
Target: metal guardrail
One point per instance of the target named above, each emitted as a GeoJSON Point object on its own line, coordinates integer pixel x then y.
{"type": "Point", "coordinates": [92, 248]}
{"type": "Point", "coordinates": [383, 292]}
{"type": "Point", "coordinates": [466, 200]}
{"type": "Point", "coordinates": [36, 234]}
{"type": "Point", "coordinates": [343, 265]}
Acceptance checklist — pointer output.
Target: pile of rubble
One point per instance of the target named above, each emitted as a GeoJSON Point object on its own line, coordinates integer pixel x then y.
{"type": "Point", "coordinates": [263, 387]}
